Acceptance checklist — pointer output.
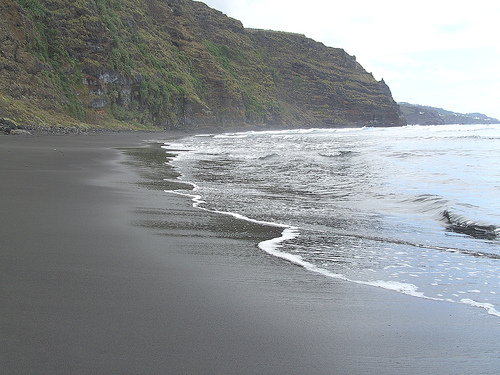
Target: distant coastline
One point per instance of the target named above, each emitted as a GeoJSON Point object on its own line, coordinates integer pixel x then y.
{"type": "Point", "coordinates": [425, 115]}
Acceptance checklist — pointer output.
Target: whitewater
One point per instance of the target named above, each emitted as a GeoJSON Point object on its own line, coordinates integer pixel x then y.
{"type": "Point", "coordinates": [412, 209]}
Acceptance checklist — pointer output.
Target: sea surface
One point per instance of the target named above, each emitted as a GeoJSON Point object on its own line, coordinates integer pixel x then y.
{"type": "Point", "coordinates": [413, 209]}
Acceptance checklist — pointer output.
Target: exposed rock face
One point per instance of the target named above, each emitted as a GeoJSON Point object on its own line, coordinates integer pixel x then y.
{"type": "Point", "coordinates": [174, 64]}
{"type": "Point", "coordinates": [325, 86]}
{"type": "Point", "coordinates": [19, 132]}
{"type": "Point", "coordinates": [7, 126]}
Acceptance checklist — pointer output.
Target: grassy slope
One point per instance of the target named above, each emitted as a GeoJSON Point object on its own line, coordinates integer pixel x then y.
{"type": "Point", "coordinates": [171, 64]}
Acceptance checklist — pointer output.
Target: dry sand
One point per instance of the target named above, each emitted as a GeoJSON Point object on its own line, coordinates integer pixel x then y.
{"type": "Point", "coordinates": [100, 274]}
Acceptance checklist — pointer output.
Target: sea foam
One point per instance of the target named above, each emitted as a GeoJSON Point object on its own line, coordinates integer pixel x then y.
{"type": "Point", "coordinates": [487, 306]}
{"type": "Point", "coordinates": [379, 206]}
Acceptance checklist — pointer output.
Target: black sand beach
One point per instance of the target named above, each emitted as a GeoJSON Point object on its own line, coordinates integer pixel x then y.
{"type": "Point", "coordinates": [101, 272]}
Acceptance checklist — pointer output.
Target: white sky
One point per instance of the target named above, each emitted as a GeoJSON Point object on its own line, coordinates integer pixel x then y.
{"type": "Point", "coordinates": [440, 53]}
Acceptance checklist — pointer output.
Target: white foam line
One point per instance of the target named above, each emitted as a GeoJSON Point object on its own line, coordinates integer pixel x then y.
{"type": "Point", "coordinates": [272, 246]}
{"type": "Point", "coordinates": [490, 309]}
{"type": "Point", "coordinates": [197, 201]}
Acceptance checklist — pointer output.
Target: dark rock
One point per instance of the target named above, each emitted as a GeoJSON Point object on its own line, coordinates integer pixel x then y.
{"type": "Point", "coordinates": [19, 132]}
{"type": "Point", "coordinates": [98, 103]}
{"type": "Point", "coordinates": [7, 123]}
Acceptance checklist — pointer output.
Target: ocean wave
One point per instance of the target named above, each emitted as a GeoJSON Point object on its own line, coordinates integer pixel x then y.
{"type": "Point", "coordinates": [366, 196]}
{"type": "Point", "coordinates": [231, 136]}
{"type": "Point", "coordinates": [396, 241]}
{"type": "Point", "coordinates": [268, 156]}
{"type": "Point", "coordinates": [427, 203]}
{"type": "Point", "coordinates": [439, 207]}
{"type": "Point", "coordinates": [460, 224]}
{"type": "Point", "coordinates": [249, 158]}
{"type": "Point", "coordinates": [453, 127]}
{"type": "Point", "coordinates": [338, 153]}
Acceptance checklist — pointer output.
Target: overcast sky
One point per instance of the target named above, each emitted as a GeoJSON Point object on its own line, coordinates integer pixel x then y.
{"type": "Point", "coordinates": [440, 53]}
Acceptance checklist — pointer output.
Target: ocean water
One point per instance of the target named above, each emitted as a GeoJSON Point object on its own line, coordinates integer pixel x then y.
{"type": "Point", "coordinates": [413, 209]}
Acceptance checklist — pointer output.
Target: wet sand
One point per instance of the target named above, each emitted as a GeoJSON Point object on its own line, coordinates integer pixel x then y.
{"type": "Point", "coordinates": [101, 271]}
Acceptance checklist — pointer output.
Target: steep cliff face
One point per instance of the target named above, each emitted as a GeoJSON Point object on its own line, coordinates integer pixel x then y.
{"type": "Point", "coordinates": [319, 85]}
{"type": "Point", "coordinates": [173, 64]}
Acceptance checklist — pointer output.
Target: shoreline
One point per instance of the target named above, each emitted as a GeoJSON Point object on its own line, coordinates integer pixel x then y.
{"type": "Point", "coordinates": [103, 272]}
{"type": "Point", "coordinates": [272, 247]}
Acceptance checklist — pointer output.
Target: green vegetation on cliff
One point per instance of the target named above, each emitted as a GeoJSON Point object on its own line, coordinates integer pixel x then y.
{"type": "Point", "coordinates": [173, 64]}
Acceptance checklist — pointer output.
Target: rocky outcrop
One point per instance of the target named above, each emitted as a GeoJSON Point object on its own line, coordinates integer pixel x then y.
{"type": "Point", "coordinates": [8, 126]}
{"type": "Point", "coordinates": [174, 64]}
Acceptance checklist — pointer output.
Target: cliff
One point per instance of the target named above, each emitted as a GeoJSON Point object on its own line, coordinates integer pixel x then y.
{"type": "Point", "coordinates": [173, 64]}
{"type": "Point", "coordinates": [425, 115]}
